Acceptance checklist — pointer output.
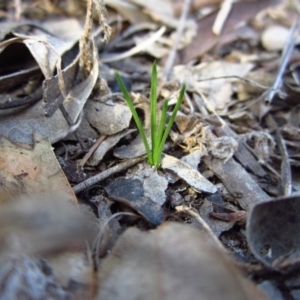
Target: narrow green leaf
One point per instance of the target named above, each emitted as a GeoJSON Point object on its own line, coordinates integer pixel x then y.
{"type": "Point", "coordinates": [171, 121]}
{"type": "Point", "coordinates": [156, 154]}
{"type": "Point", "coordinates": [135, 117]}
{"type": "Point", "coordinates": [153, 104]}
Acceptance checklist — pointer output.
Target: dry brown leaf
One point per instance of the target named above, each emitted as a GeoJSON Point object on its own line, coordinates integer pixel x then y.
{"type": "Point", "coordinates": [30, 172]}
{"type": "Point", "coordinates": [173, 262]}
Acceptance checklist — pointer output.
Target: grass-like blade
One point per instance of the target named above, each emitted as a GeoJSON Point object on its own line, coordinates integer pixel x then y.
{"type": "Point", "coordinates": [171, 121]}
{"type": "Point", "coordinates": [135, 117]}
{"type": "Point", "coordinates": [153, 104]}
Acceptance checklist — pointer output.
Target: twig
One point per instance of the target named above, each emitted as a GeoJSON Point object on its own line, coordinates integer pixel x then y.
{"type": "Point", "coordinates": [102, 15]}
{"type": "Point", "coordinates": [287, 52]}
{"type": "Point", "coordinates": [193, 213]}
{"type": "Point", "coordinates": [92, 150]}
{"type": "Point", "coordinates": [137, 48]}
{"type": "Point", "coordinates": [18, 9]}
{"type": "Point", "coordinates": [97, 241]}
{"type": "Point", "coordinates": [105, 174]}
{"type": "Point", "coordinates": [222, 17]}
{"type": "Point", "coordinates": [179, 32]}
{"type": "Point", "coordinates": [85, 62]}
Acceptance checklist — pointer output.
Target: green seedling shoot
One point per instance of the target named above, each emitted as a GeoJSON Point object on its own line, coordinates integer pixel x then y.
{"type": "Point", "coordinates": [159, 133]}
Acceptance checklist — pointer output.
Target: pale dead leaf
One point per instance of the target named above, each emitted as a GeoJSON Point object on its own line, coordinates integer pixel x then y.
{"type": "Point", "coordinates": [198, 74]}
{"type": "Point", "coordinates": [219, 90]}
{"type": "Point", "coordinates": [188, 174]}
{"type": "Point", "coordinates": [193, 159]}
{"type": "Point", "coordinates": [156, 49]}
{"type": "Point", "coordinates": [61, 28]}
{"type": "Point", "coordinates": [173, 262]}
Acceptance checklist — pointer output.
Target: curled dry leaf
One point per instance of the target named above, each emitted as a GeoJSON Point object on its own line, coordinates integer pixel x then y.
{"type": "Point", "coordinates": [79, 93]}
{"type": "Point", "coordinates": [39, 43]}
{"type": "Point", "coordinates": [273, 230]}
{"type": "Point", "coordinates": [172, 262]}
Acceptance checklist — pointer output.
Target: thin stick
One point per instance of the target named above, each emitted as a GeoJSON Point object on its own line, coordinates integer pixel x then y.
{"type": "Point", "coordinates": [92, 150]}
{"type": "Point", "coordinates": [97, 241]}
{"type": "Point", "coordinates": [193, 213]}
{"type": "Point", "coordinates": [105, 174]}
{"type": "Point", "coordinates": [286, 54]}
{"type": "Point", "coordinates": [222, 17]}
{"type": "Point", "coordinates": [136, 49]}
{"type": "Point", "coordinates": [171, 58]}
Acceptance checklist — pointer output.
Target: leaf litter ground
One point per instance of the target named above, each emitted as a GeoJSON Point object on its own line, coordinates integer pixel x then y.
{"type": "Point", "coordinates": [218, 220]}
